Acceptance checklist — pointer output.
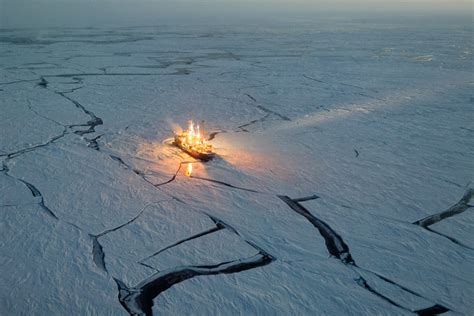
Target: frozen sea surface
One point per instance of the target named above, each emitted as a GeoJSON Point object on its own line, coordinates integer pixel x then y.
{"type": "Point", "coordinates": [343, 183]}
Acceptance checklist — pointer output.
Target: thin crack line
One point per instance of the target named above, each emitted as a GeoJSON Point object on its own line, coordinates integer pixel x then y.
{"type": "Point", "coordinates": [130, 221]}
{"type": "Point", "coordinates": [206, 232]}
{"type": "Point", "coordinates": [224, 183]}
{"type": "Point", "coordinates": [43, 116]}
{"type": "Point", "coordinates": [32, 148]}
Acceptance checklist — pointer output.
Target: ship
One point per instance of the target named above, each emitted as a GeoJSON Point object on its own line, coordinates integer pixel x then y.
{"type": "Point", "coordinates": [193, 143]}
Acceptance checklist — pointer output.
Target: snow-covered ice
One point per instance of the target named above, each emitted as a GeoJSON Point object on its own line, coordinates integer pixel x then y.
{"type": "Point", "coordinates": [342, 186]}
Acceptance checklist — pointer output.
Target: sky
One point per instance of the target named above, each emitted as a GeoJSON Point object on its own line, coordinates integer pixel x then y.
{"type": "Point", "coordinates": [74, 13]}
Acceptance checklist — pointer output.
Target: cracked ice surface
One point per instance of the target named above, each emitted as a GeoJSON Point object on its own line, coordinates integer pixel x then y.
{"type": "Point", "coordinates": [343, 183]}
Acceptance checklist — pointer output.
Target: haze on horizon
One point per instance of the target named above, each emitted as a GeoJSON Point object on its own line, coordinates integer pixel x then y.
{"type": "Point", "coordinates": [75, 13]}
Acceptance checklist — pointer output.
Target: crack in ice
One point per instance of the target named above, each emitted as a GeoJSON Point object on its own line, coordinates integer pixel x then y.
{"type": "Point", "coordinates": [139, 299]}
{"type": "Point", "coordinates": [461, 206]}
{"type": "Point", "coordinates": [339, 249]}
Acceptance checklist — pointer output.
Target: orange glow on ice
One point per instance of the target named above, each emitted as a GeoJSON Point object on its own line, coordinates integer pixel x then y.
{"type": "Point", "coordinates": [189, 170]}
